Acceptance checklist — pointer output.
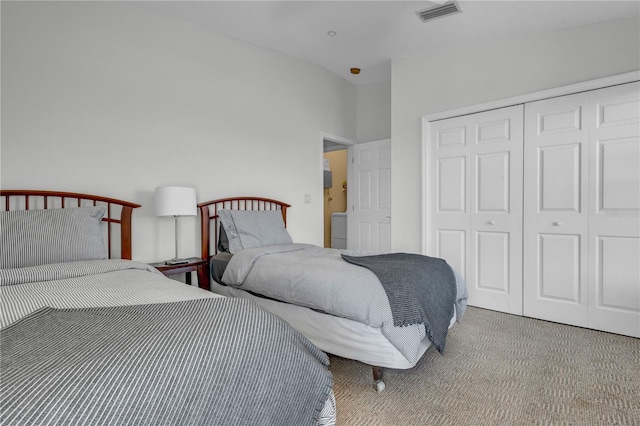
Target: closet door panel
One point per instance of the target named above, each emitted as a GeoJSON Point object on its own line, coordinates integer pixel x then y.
{"type": "Point", "coordinates": [449, 194]}
{"type": "Point", "coordinates": [451, 185]}
{"type": "Point", "coordinates": [555, 200]}
{"type": "Point", "coordinates": [614, 288]}
{"type": "Point", "coordinates": [451, 245]}
{"type": "Point", "coordinates": [582, 209]}
{"type": "Point", "coordinates": [559, 268]}
{"type": "Point", "coordinates": [617, 262]}
{"type": "Point", "coordinates": [451, 210]}
{"type": "Point", "coordinates": [617, 179]}
{"type": "Point", "coordinates": [614, 211]}
{"type": "Point", "coordinates": [476, 181]}
{"type": "Point", "coordinates": [559, 178]}
{"type": "Point", "coordinates": [492, 182]}
{"type": "Point", "coordinates": [492, 262]}
{"type": "Point", "coordinates": [496, 202]}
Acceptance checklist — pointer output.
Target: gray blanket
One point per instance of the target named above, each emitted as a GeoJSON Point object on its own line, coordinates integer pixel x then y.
{"type": "Point", "coordinates": [421, 290]}
{"type": "Point", "coordinates": [189, 362]}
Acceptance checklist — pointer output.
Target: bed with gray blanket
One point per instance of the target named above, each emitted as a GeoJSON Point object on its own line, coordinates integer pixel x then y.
{"type": "Point", "coordinates": [383, 310]}
{"type": "Point", "coordinates": [115, 342]}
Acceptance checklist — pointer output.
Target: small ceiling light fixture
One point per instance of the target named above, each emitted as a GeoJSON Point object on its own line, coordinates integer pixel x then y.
{"type": "Point", "coordinates": [355, 71]}
{"type": "Point", "coordinates": [331, 33]}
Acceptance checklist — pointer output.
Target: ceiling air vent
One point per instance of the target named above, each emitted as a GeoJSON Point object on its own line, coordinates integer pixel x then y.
{"type": "Point", "coordinates": [435, 12]}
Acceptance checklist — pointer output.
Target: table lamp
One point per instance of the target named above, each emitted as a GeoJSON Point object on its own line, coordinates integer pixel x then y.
{"type": "Point", "coordinates": [175, 201]}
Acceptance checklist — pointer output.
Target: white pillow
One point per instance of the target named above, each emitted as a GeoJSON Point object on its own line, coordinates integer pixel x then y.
{"type": "Point", "coordinates": [253, 228]}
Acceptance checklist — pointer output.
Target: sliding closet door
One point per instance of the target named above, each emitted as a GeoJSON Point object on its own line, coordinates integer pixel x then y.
{"type": "Point", "coordinates": [582, 198]}
{"type": "Point", "coordinates": [614, 207]}
{"type": "Point", "coordinates": [476, 204]}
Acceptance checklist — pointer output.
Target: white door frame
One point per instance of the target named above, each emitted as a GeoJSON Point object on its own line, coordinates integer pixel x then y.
{"type": "Point", "coordinates": [545, 94]}
{"type": "Point", "coordinates": [348, 144]}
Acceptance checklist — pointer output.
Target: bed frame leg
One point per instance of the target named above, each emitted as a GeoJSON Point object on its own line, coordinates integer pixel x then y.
{"type": "Point", "coordinates": [378, 383]}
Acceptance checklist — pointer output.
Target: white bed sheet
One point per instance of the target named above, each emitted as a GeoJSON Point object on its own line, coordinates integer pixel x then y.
{"type": "Point", "coordinates": [338, 336]}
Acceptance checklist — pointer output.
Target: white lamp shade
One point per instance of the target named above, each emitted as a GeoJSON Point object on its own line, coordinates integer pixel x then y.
{"type": "Point", "coordinates": [175, 201]}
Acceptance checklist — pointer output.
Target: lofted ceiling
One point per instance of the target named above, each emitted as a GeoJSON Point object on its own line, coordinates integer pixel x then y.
{"type": "Point", "coordinates": [369, 34]}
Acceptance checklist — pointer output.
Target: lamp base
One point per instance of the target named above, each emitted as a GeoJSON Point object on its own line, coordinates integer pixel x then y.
{"type": "Point", "coordinates": [176, 261]}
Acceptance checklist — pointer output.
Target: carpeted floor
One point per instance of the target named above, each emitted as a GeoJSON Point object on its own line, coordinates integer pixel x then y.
{"type": "Point", "coordinates": [501, 369]}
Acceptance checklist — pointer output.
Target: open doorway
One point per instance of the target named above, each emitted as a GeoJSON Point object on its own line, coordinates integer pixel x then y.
{"type": "Point", "coordinates": [335, 182]}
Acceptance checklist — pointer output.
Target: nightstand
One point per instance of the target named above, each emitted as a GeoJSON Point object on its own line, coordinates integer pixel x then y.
{"type": "Point", "coordinates": [197, 264]}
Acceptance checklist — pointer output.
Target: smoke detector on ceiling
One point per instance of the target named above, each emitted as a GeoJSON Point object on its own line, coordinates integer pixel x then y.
{"type": "Point", "coordinates": [435, 12]}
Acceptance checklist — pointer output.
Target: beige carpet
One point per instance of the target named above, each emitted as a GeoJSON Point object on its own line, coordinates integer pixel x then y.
{"type": "Point", "coordinates": [501, 369]}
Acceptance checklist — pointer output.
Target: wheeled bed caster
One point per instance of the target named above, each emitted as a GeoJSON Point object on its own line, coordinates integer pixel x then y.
{"type": "Point", "coordinates": [379, 385]}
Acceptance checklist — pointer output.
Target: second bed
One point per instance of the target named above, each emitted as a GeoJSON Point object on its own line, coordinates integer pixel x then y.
{"type": "Point", "coordinates": [342, 308]}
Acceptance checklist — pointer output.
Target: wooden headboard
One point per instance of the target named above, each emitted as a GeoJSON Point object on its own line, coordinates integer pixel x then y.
{"type": "Point", "coordinates": [209, 215]}
{"type": "Point", "coordinates": [118, 212]}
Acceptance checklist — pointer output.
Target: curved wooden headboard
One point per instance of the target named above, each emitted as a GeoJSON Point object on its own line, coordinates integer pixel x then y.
{"type": "Point", "coordinates": [209, 213]}
{"type": "Point", "coordinates": [118, 211]}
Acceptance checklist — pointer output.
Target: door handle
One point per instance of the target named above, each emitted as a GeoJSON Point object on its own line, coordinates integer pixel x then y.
{"type": "Point", "coordinates": [557, 223]}
{"type": "Point", "coordinates": [491, 222]}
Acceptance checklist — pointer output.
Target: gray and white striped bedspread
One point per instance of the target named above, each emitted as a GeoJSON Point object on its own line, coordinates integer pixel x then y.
{"type": "Point", "coordinates": [97, 283]}
{"type": "Point", "coordinates": [161, 364]}
{"type": "Point", "coordinates": [138, 348]}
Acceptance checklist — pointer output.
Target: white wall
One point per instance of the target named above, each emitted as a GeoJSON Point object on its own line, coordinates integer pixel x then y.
{"type": "Point", "coordinates": [455, 77]}
{"type": "Point", "coordinates": [98, 98]}
{"type": "Point", "coordinates": [374, 112]}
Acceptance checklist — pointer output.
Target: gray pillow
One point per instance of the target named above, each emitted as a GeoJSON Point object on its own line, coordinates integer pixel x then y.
{"type": "Point", "coordinates": [253, 228]}
{"type": "Point", "coordinates": [38, 237]}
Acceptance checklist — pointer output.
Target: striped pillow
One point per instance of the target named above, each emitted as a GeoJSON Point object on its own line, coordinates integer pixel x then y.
{"type": "Point", "coordinates": [38, 237]}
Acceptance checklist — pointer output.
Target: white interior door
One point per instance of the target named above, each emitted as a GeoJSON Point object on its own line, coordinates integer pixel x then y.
{"type": "Point", "coordinates": [369, 226]}
{"type": "Point", "coordinates": [476, 204]}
